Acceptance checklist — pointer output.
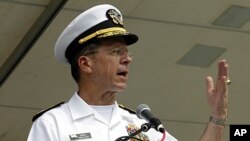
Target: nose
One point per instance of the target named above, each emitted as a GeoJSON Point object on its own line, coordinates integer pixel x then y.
{"type": "Point", "coordinates": [126, 58]}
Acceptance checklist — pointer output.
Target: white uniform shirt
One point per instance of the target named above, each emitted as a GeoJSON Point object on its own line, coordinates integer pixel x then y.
{"type": "Point", "coordinates": [77, 121]}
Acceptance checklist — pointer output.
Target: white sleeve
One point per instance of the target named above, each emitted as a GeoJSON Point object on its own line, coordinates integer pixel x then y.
{"type": "Point", "coordinates": [42, 130]}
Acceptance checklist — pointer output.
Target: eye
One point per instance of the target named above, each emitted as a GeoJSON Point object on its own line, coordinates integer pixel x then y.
{"type": "Point", "coordinates": [120, 52]}
{"type": "Point", "coordinates": [117, 51]}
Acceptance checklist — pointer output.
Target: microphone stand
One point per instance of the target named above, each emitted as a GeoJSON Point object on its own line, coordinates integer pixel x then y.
{"type": "Point", "coordinates": [144, 128]}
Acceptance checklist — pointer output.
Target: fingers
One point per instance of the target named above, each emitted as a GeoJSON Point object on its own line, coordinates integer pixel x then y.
{"type": "Point", "coordinates": [222, 69]}
{"type": "Point", "coordinates": [217, 92]}
{"type": "Point", "coordinates": [222, 85]}
{"type": "Point", "coordinates": [210, 84]}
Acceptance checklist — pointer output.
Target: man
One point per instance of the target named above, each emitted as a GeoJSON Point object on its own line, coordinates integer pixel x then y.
{"type": "Point", "coordinates": [95, 45]}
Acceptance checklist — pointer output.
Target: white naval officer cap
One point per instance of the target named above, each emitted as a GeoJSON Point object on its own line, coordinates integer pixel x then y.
{"type": "Point", "coordinates": [98, 22]}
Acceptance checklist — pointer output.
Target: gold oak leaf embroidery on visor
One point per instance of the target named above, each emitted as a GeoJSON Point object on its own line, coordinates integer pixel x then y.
{"type": "Point", "coordinates": [112, 33]}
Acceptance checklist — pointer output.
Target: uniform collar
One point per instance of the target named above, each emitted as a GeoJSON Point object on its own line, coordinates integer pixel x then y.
{"type": "Point", "coordinates": [116, 115]}
{"type": "Point", "coordinates": [79, 108]}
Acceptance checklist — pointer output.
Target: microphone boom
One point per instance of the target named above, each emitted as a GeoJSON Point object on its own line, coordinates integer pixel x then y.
{"type": "Point", "coordinates": [143, 112]}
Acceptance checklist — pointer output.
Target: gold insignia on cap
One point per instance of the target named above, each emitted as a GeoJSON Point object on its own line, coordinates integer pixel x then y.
{"type": "Point", "coordinates": [112, 33]}
{"type": "Point", "coordinates": [115, 16]}
{"type": "Point", "coordinates": [107, 32]}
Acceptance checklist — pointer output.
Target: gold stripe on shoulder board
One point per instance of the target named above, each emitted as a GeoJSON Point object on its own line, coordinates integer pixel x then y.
{"type": "Point", "coordinates": [127, 109]}
{"type": "Point", "coordinates": [44, 111]}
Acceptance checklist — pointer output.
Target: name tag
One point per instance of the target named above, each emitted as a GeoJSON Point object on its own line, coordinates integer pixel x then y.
{"type": "Point", "coordinates": [80, 136]}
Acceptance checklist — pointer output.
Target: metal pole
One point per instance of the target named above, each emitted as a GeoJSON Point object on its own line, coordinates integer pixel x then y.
{"type": "Point", "coordinates": [30, 38]}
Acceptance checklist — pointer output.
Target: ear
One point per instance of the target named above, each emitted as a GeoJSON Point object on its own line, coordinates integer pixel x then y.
{"type": "Point", "coordinates": [85, 64]}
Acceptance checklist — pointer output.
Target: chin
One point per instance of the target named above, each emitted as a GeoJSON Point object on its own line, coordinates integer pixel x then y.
{"type": "Point", "coordinates": [120, 88]}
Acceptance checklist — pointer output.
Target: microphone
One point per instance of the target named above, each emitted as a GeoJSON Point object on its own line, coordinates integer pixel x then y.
{"type": "Point", "coordinates": [143, 112]}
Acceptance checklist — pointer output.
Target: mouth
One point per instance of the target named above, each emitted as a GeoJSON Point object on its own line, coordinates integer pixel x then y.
{"type": "Point", "coordinates": [123, 73]}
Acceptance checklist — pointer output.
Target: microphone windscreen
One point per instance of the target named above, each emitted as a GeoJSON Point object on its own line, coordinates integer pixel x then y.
{"type": "Point", "coordinates": [141, 108]}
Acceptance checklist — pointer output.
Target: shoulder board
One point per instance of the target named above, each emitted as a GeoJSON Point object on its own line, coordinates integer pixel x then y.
{"type": "Point", "coordinates": [44, 111]}
{"type": "Point", "coordinates": [127, 109]}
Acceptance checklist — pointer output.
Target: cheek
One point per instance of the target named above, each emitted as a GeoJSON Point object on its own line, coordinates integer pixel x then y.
{"type": "Point", "coordinates": [107, 70]}
{"type": "Point", "coordinates": [110, 70]}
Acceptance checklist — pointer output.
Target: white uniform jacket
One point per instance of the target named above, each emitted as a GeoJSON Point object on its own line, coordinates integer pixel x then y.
{"type": "Point", "coordinates": [77, 121]}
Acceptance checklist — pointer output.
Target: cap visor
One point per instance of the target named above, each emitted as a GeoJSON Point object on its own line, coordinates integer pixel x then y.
{"type": "Point", "coordinates": [129, 38]}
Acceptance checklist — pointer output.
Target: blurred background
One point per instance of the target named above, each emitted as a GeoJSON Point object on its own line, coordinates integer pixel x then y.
{"type": "Point", "coordinates": [180, 44]}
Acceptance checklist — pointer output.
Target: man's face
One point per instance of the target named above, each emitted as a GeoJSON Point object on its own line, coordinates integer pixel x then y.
{"type": "Point", "coordinates": [111, 65]}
